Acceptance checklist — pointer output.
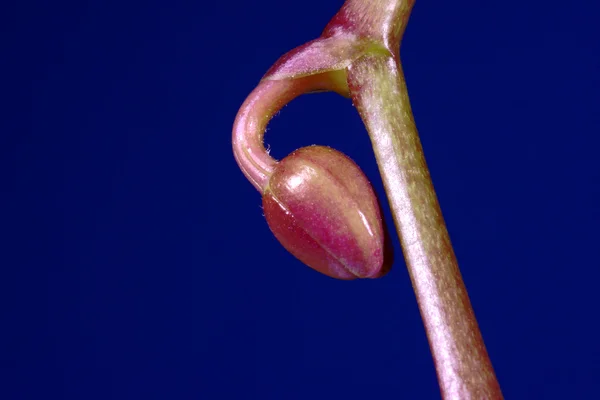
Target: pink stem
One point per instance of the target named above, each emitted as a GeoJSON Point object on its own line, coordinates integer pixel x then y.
{"type": "Point", "coordinates": [463, 367]}
{"type": "Point", "coordinates": [358, 55]}
{"type": "Point", "coordinates": [378, 89]}
{"type": "Point", "coordinates": [256, 112]}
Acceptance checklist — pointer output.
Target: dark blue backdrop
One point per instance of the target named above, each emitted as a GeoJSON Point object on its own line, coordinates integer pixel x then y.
{"type": "Point", "coordinates": [137, 263]}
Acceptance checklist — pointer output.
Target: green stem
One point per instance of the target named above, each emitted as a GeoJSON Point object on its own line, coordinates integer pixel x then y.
{"type": "Point", "coordinates": [358, 55]}
{"type": "Point", "coordinates": [463, 367]}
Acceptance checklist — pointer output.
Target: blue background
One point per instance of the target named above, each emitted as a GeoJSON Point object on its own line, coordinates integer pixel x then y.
{"type": "Point", "coordinates": [135, 259]}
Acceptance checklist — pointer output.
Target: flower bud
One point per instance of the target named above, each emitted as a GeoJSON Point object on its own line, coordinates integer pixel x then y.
{"type": "Point", "coordinates": [323, 210]}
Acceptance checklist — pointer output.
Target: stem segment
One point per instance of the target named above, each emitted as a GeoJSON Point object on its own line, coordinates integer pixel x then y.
{"type": "Point", "coordinates": [378, 89]}
{"type": "Point", "coordinates": [358, 54]}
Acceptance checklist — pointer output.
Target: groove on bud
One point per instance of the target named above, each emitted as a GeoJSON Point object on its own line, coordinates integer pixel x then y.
{"type": "Point", "coordinates": [322, 208]}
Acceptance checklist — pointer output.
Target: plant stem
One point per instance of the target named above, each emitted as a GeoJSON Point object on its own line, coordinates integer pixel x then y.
{"type": "Point", "coordinates": [378, 90]}
{"type": "Point", "coordinates": [358, 55]}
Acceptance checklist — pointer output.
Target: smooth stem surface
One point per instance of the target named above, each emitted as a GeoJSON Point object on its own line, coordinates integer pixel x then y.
{"type": "Point", "coordinates": [379, 92]}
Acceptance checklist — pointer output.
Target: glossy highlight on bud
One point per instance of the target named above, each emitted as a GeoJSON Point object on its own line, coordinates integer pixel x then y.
{"type": "Point", "coordinates": [323, 210]}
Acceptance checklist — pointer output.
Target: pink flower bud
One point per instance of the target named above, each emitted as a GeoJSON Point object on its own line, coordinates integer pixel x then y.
{"type": "Point", "coordinates": [323, 210]}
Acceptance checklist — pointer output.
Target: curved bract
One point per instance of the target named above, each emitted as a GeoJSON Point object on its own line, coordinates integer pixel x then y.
{"type": "Point", "coordinates": [331, 222]}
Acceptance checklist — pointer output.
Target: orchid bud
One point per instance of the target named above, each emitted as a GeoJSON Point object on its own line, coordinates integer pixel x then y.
{"type": "Point", "coordinates": [322, 208]}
